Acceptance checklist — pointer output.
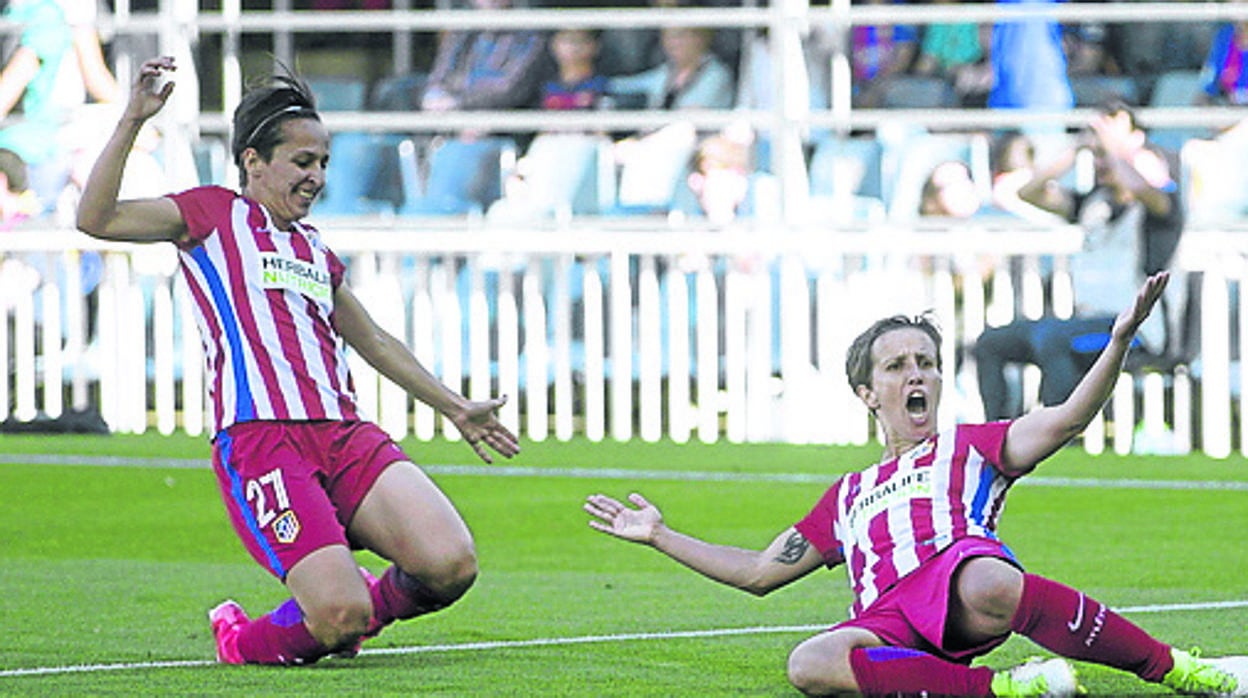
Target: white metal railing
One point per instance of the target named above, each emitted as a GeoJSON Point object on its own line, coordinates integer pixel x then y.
{"type": "Point", "coordinates": [179, 25]}
{"type": "Point", "coordinates": [616, 333]}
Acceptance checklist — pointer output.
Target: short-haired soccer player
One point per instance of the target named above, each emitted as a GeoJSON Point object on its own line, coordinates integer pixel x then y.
{"type": "Point", "coordinates": [934, 587]}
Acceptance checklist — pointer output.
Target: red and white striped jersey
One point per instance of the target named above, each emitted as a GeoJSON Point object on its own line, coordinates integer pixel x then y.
{"type": "Point", "coordinates": [263, 299]}
{"type": "Point", "coordinates": [885, 521]}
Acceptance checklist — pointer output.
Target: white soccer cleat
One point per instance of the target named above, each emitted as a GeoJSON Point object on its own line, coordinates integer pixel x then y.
{"type": "Point", "coordinates": [1237, 668]}
{"type": "Point", "coordinates": [1194, 675]}
{"type": "Point", "coordinates": [1037, 678]}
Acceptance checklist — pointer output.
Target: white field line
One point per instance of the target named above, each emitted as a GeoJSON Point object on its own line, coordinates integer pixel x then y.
{"type": "Point", "coordinates": [561, 641]}
{"type": "Point", "coordinates": [631, 474]}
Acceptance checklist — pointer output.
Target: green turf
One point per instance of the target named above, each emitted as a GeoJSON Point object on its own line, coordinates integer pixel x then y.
{"type": "Point", "coordinates": [118, 564]}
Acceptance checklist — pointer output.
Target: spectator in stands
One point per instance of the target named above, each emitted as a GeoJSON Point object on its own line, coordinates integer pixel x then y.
{"type": "Point", "coordinates": [958, 52]}
{"type": "Point", "coordinates": [1029, 64]}
{"type": "Point", "coordinates": [17, 201]}
{"type": "Point", "coordinates": [1147, 50]}
{"type": "Point", "coordinates": [723, 184]}
{"type": "Point", "coordinates": [879, 52]}
{"type": "Point", "coordinates": [475, 69]}
{"type": "Point", "coordinates": [630, 51]}
{"type": "Point", "coordinates": [691, 77]}
{"type": "Point", "coordinates": [557, 165]}
{"type": "Point", "coordinates": [1132, 218]}
{"type": "Point", "coordinates": [57, 64]}
{"type": "Point", "coordinates": [486, 69]}
{"type": "Point", "coordinates": [1013, 165]}
{"type": "Point", "coordinates": [950, 192]}
{"type": "Point", "coordinates": [1084, 44]}
{"type": "Point", "coordinates": [1226, 66]}
{"type": "Point", "coordinates": [577, 83]}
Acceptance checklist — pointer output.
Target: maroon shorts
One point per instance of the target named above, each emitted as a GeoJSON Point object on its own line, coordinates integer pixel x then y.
{"type": "Point", "coordinates": [291, 488]}
{"type": "Point", "coordinates": [912, 614]}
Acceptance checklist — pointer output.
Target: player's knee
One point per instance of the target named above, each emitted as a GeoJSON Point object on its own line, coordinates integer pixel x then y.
{"type": "Point", "coordinates": [452, 576]}
{"type": "Point", "coordinates": [991, 587]}
{"type": "Point", "coordinates": [813, 673]}
{"type": "Point", "coordinates": [342, 622]}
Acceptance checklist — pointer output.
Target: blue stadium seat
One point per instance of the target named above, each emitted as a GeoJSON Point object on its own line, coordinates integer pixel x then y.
{"type": "Point", "coordinates": [338, 92]}
{"type": "Point", "coordinates": [858, 161]}
{"type": "Point", "coordinates": [358, 181]}
{"type": "Point", "coordinates": [463, 176]}
{"type": "Point", "coordinates": [918, 92]}
{"type": "Point", "coordinates": [919, 156]}
{"type": "Point", "coordinates": [1095, 90]}
{"type": "Point", "coordinates": [1176, 88]}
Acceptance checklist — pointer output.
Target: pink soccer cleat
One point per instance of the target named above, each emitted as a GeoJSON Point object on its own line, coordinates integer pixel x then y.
{"type": "Point", "coordinates": [227, 620]}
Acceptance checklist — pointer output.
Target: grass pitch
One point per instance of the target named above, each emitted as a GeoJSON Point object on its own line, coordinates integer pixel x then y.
{"type": "Point", "coordinates": [107, 570]}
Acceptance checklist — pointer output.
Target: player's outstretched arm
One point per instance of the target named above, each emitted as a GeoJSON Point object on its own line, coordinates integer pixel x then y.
{"type": "Point", "coordinates": [1037, 434]}
{"type": "Point", "coordinates": [788, 557]}
{"type": "Point", "coordinates": [477, 420]}
{"type": "Point", "coordinates": [100, 214]}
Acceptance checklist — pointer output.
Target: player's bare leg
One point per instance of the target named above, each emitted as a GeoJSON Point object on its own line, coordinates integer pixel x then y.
{"type": "Point", "coordinates": [407, 519]}
{"type": "Point", "coordinates": [820, 665]}
{"type": "Point", "coordinates": [332, 595]}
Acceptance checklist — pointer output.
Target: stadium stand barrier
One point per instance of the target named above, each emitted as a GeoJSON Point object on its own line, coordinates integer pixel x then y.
{"type": "Point", "coordinates": [603, 327]}
{"type": "Point", "coordinates": [627, 332]}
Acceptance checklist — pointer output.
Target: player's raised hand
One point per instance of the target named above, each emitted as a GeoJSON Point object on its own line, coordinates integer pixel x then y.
{"type": "Point", "coordinates": [145, 98]}
{"type": "Point", "coordinates": [478, 423]}
{"type": "Point", "coordinates": [622, 521]}
{"type": "Point", "coordinates": [1130, 319]}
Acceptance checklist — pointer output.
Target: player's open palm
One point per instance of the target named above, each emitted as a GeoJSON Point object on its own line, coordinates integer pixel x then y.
{"type": "Point", "coordinates": [1130, 319]}
{"type": "Point", "coordinates": [620, 520]}
{"type": "Point", "coordinates": [478, 423]}
{"type": "Point", "coordinates": [145, 98]}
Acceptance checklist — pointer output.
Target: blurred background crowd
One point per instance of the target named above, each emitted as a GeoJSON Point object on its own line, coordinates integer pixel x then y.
{"type": "Point", "coordinates": [61, 72]}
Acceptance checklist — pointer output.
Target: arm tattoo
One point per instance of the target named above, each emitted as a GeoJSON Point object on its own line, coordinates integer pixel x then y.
{"type": "Point", "coordinates": [794, 548]}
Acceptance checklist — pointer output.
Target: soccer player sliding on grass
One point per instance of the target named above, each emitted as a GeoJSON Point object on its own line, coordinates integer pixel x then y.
{"type": "Point", "coordinates": [304, 478]}
{"type": "Point", "coordinates": [933, 586]}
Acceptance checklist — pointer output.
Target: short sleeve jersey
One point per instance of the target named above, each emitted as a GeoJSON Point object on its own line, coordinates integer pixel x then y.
{"type": "Point", "coordinates": [264, 301]}
{"type": "Point", "coordinates": [886, 521]}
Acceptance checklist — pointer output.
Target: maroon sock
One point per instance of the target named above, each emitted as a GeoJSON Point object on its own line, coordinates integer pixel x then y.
{"type": "Point", "coordinates": [894, 671]}
{"type": "Point", "coordinates": [396, 596]}
{"type": "Point", "coordinates": [1073, 625]}
{"type": "Point", "coordinates": [280, 637]}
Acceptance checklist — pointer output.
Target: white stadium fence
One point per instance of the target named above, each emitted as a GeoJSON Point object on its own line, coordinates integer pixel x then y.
{"type": "Point", "coordinates": [625, 333]}
{"type": "Point", "coordinates": [640, 328]}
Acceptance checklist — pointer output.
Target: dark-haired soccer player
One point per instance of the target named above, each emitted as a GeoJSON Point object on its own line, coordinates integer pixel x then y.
{"type": "Point", "coordinates": [934, 587]}
{"type": "Point", "coordinates": [304, 478]}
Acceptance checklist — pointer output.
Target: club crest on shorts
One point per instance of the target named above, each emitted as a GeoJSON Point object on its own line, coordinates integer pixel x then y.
{"type": "Point", "coordinates": [286, 527]}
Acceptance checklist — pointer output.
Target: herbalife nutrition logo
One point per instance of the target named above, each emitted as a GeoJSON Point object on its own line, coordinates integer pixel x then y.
{"type": "Point", "coordinates": [294, 275]}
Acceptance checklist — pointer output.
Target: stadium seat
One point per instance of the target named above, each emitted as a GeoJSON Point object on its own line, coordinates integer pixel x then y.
{"type": "Point", "coordinates": [338, 92]}
{"type": "Point", "coordinates": [360, 177]}
{"type": "Point", "coordinates": [1095, 90]}
{"type": "Point", "coordinates": [1176, 88]}
{"type": "Point", "coordinates": [463, 175]}
{"type": "Point", "coordinates": [211, 157]}
{"type": "Point", "coordinates": [356, 182]}
{"type": "Point", "coordinates": [920, 155]}
{"type": "Point", "coordinates": [852, 163]}
{"type": "Point", "coordinates": [398, 92]}
{"type": "Point", "coordinates": [918, 92]}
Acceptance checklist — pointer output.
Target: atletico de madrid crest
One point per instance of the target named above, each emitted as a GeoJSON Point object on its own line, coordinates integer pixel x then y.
{"type": "Point", "coordinates": [286, 527]}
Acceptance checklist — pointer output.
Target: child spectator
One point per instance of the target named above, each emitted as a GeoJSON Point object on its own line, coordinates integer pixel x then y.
{"type": "Point", "coordinates": [577, 84]}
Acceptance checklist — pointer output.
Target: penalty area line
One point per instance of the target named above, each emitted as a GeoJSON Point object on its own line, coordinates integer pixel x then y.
{"type": "Point", "coordinates": [561, 641]}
